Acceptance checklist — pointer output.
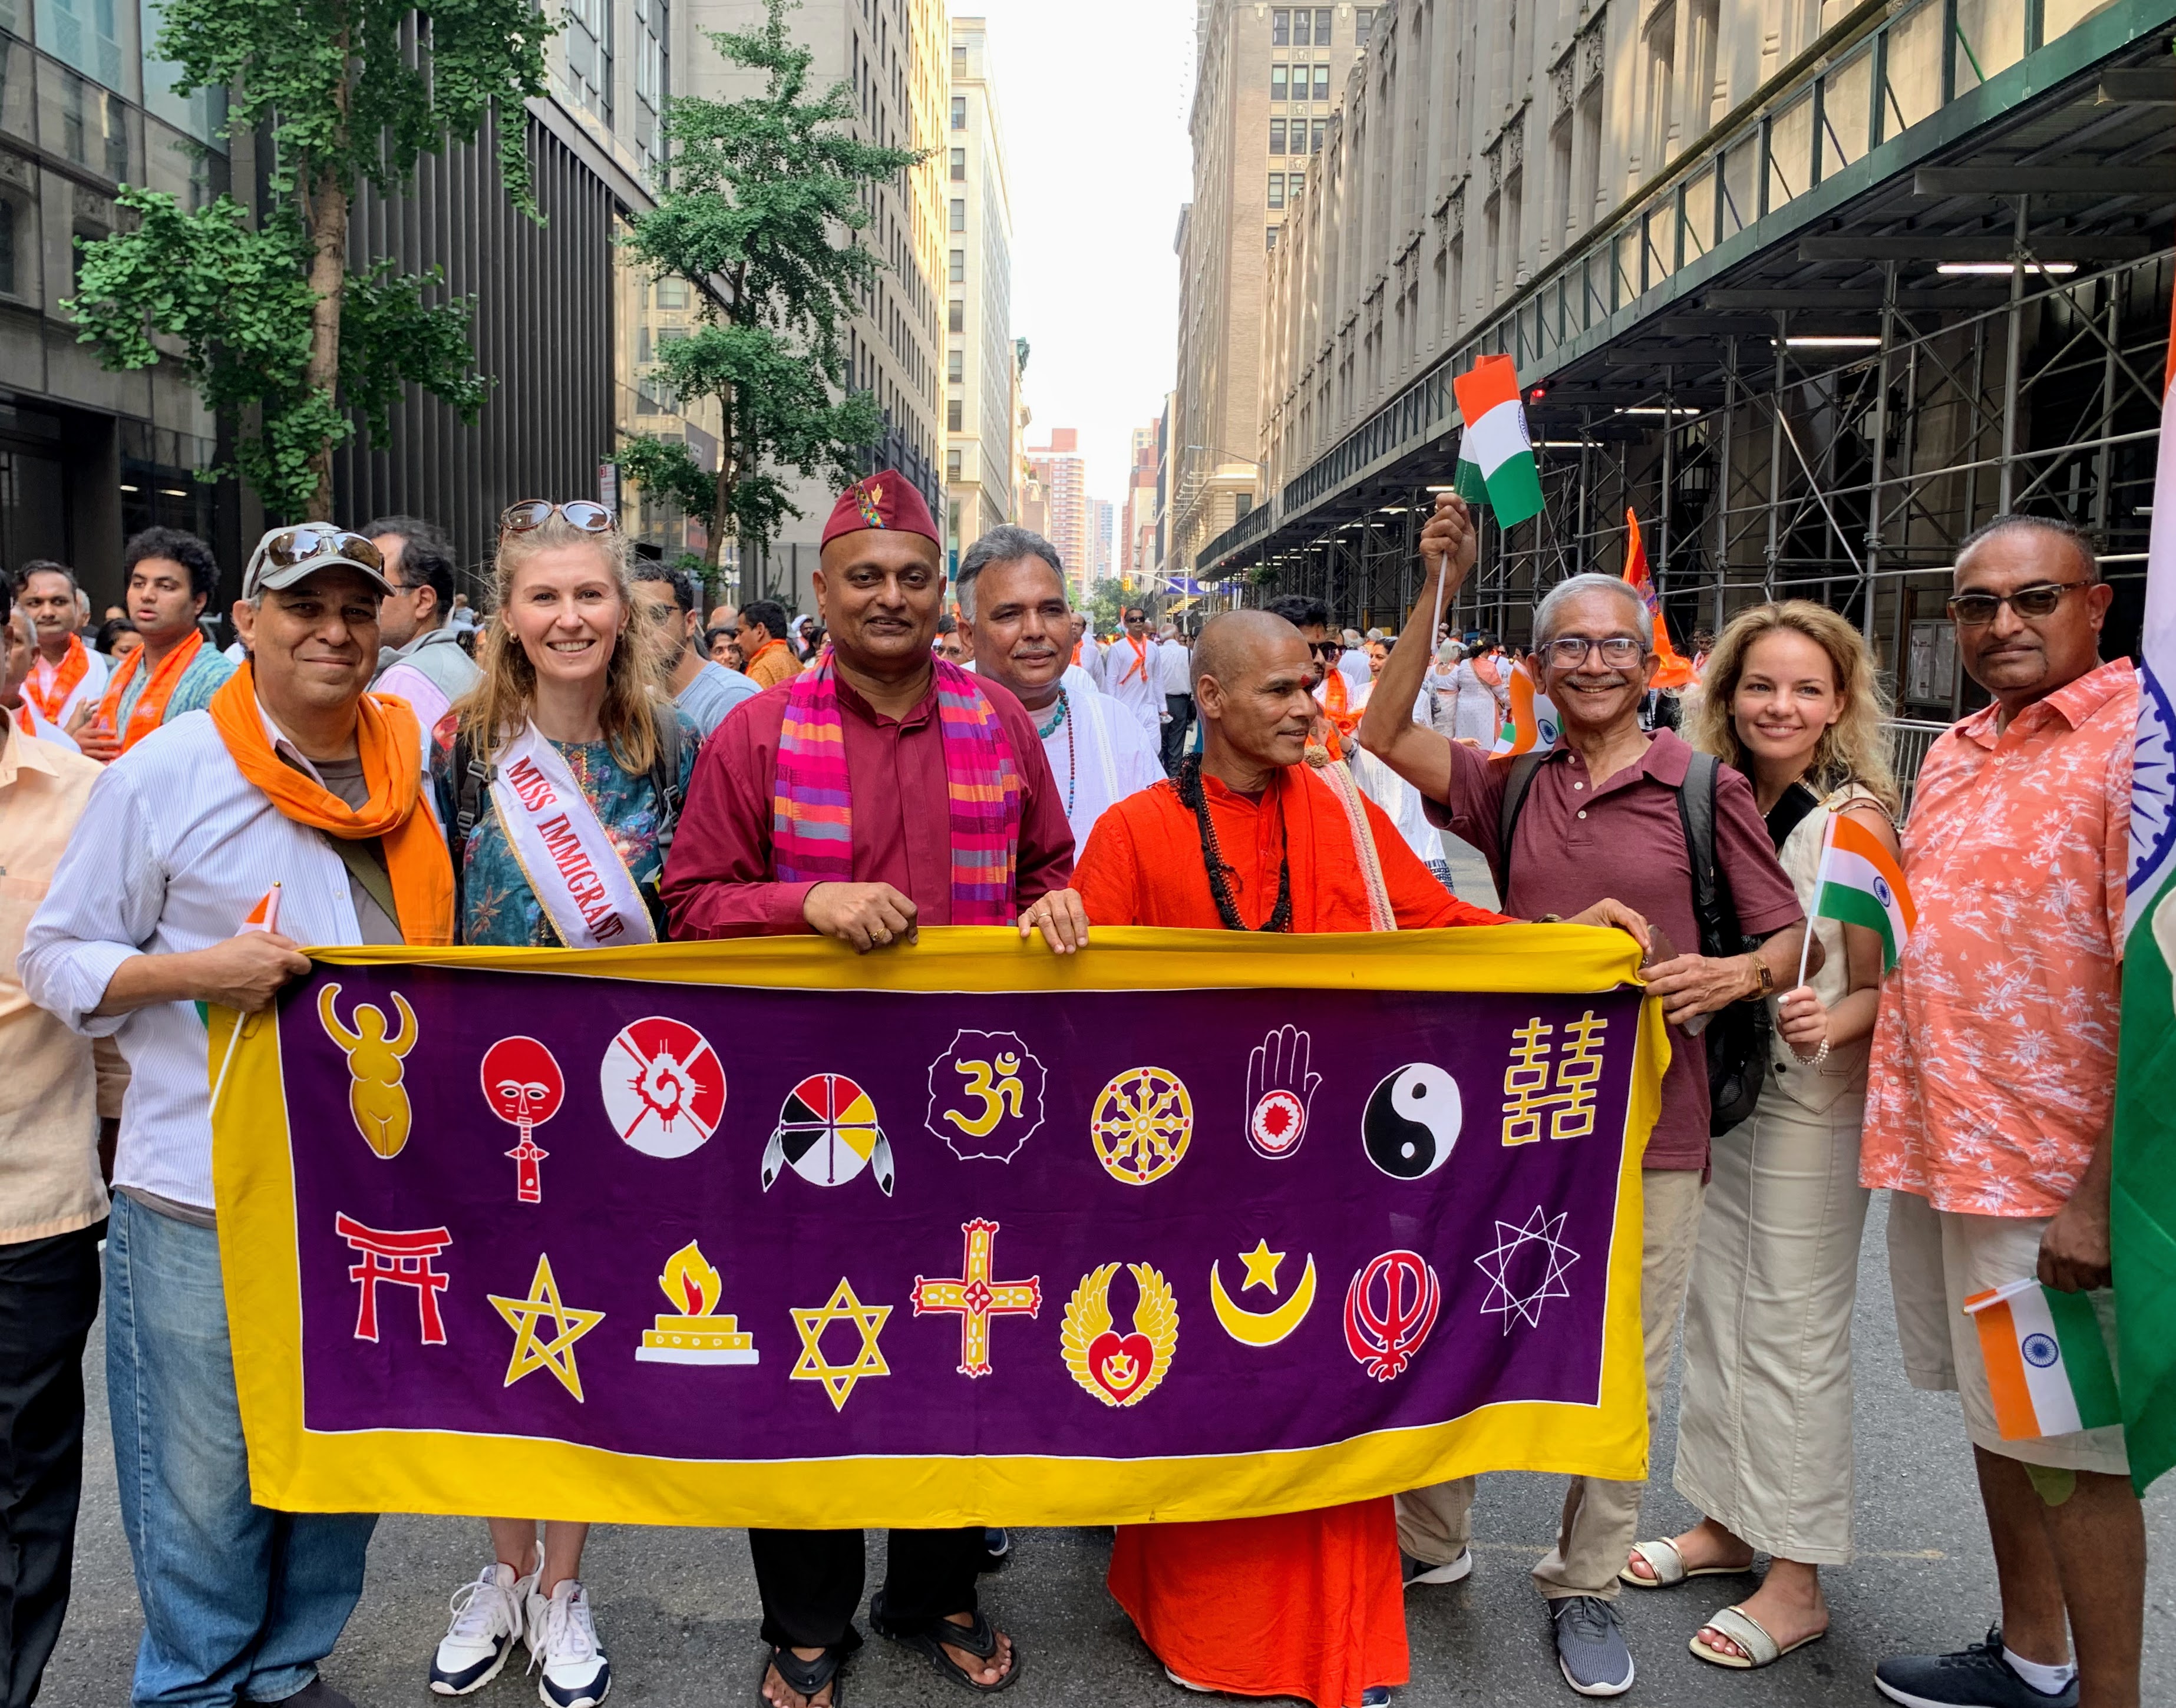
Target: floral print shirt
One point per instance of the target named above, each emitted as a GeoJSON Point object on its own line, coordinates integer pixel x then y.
{"type": "Point", "coordinates": [1994, 1067]}
{"type": "Point", "coordinates": [498, 906]}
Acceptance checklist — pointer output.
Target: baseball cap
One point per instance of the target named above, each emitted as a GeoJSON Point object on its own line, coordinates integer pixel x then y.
{"type": "Point", "coordinates": [286, 555]}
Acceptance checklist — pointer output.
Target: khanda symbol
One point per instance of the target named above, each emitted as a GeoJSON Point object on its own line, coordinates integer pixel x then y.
{"type": "Point", "coordinates": [375, 1095]}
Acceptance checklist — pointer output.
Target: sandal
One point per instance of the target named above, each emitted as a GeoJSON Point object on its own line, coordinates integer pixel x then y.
{"type": "Point", "coordinates": [1761, 1650]}
{"type": "Point", "coordinates": [1670, 1569]}
{"type": "Point", "coordinates": [979, 1639]}
{"type": "Point", "coordinates": [806, 1677]}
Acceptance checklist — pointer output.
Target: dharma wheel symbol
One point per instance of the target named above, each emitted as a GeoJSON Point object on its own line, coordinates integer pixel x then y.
{"type": "Point", "coordinates": [1140, 1125]}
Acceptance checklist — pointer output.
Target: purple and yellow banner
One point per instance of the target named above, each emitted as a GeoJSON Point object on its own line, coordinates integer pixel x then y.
{"type": "Point", "coordinates": [1189, 1225]}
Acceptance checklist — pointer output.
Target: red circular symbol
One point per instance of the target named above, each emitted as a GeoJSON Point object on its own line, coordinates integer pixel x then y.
{"type": "Point", "coordinates": [522, 1081]}
{"type": "Point", "coordinates": [1279, 1122]}
{"type": "Point", "coordinates": [663, 1086]}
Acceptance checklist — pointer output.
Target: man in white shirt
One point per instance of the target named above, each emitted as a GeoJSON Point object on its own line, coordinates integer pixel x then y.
{"type": "Point", "coordinates": [1133, 671]}
{"type": "Point", "coordinates": [1011, 595]}
{"type": "Point", "coordinates": [703, 690]}
{"type": "Point", "coordinates": [1177, 667]}
{"type": "Point", "coordinates": [66, 674]}
{"type": "Point", "coordinates": [184, 835]}
{"type": "Point", "coordinates": [420, 654]}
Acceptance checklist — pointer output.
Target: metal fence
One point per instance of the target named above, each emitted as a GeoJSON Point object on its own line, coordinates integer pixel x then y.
{"type": "Point", "coordinates": [1909, 742]}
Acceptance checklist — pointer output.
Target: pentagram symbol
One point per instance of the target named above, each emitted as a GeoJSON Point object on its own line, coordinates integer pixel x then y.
{"type": "Point", "coordinates": [1140, 1125]}
{"type": "Point", "coordinates": [663, 1086]}
{"type": "Point", "coordinates": [812, 1366]}
{"type": "Point", "coordinates": [530, 1352]}
{"type": "Point", "coordinates": [1526, 1269]}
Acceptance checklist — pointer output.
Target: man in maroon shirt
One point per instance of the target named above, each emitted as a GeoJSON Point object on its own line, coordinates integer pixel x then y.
{"type": "Point", "coordinates": [881, 588]}
{"type": "Point", "coordinates": [1600, 817]}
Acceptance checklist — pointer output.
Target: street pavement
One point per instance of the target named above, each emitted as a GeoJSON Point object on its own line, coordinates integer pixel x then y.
{"type": "Point", "coordinates": [678, 1612]}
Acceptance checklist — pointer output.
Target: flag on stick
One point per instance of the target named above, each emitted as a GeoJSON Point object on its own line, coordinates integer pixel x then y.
{"type": "Point", "coordinates": [1860, 883]}
{"type": "Point", "coordinates": [2047, 1368]}
{"type": "Point", "coordinates": [1674, 670]}
{"type": "Point", "coordinates": [2142, 1197]}
{"type": "Point", "coordinates": [1495, 453]}
{"type": "Point", "coordinates": [1532, 722]}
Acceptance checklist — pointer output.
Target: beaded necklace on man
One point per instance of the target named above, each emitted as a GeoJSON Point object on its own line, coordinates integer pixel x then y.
{"type": "Point", "coordinates": [1072, 759]}
{"type": "Point", "coordinates": [1191, 794]}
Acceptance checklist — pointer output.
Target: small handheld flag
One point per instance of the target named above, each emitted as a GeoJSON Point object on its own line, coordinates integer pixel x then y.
{"type": "Point", "coordinates": [1533, 720]}
{"type": "Point", "coordinates": [1674, 670]}
{"type": "Point", "coordinates": [265, 917]}
{"type": "Point", "coordinates": [2047, 1368]}
{"type": "Point", "coordinates": [1860, 883]}
{"type": "Point", "coordinates": [1495, 453]}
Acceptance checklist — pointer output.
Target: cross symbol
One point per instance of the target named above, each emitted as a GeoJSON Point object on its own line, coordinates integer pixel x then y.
{"type": "Point", "coordinates": [974, 1299]}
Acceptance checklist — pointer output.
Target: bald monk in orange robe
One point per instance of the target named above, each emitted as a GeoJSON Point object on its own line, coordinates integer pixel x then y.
{"type": "Point", "coordinates": [1307, 1604]}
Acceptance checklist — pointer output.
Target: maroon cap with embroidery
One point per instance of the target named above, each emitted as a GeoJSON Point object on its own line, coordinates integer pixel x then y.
{"type": "Point", "coordinates": [886, 500]}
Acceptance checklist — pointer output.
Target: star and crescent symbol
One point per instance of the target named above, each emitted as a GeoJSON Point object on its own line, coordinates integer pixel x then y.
{"type": "Point", "coordinates": [812, 1366]}
{"type": "Point", "coordinates": [531, 1350]}
{"type": "Point", "coordinates": [1262, 1328]}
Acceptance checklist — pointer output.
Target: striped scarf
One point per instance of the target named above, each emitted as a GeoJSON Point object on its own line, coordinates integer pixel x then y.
{"type": "Point", "coordinates": [811, 828]}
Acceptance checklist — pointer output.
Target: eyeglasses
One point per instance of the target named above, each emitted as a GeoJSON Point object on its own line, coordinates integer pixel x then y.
{"type": "Point", "coordinates": [1327, 648]}
{"type": "Point", "coordinates": [532, 514]}
{"type": "Point", "coordinates": [1569, 652]}
{"type": "Point", "coordinates": [291, 546]}
{"type": "Point", "coordinates": [1977, 609]}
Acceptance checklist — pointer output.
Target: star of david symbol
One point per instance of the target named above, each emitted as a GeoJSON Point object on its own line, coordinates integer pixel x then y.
{"type": "Point", "coordinates": [531, 1350]}
{"type": "Point", "coordinates": [1511, 1267]}
{"type": "Point", "coordinates": [812, 1366]}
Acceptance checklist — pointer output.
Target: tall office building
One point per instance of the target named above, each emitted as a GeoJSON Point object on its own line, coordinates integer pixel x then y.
{"type": "Point", "coordinates": [980, 364]}
{"type": "Point", "coordinates": [1133, 557]}
{"type": "Point", "coordinates": [1266, 80]}
{"type": "Point", "coordinates": [1058, 469]}
{"type": "Point", "coordinates": [895, 56]}
{"type": "Point", "coordinates": [1101, 516]}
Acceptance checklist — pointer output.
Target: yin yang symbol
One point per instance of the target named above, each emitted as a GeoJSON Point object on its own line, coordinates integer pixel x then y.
{"type": "Point", "coordinates": [1411, 1121]}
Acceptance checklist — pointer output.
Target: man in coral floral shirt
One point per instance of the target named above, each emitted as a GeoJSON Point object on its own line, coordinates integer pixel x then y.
{"type": "Point", "coordinates": [1992, 1093]}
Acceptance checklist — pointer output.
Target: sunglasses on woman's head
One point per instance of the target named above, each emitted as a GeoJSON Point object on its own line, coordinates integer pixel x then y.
{"type": "Point", "coordinates": [532, 514]}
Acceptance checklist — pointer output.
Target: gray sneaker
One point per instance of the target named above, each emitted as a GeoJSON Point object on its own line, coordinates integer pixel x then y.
{"type": "Point", "coordinates": [1590, 1646]}
{"type": "Point", "coordinates": [1975, 1677]}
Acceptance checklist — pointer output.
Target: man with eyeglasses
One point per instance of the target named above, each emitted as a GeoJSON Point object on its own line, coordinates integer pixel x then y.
{"type": "Point", "coordinates": [420, 656]}
{"type": "Point", "coordinates": [1990, 1099]}
{"type": "Point", "coordinates": [1605, 812]}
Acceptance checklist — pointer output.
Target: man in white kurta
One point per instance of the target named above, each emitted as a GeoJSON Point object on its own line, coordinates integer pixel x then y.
{"type": "Point", "coordinates": [1011, 596]}
{"type": "Point", "coordinates": [1133, 672]}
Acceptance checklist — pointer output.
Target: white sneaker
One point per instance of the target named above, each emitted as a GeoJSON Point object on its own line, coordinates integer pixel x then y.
{"type": "Point", "coordinates": [489, 1615]}
{"type": "Point", "coordinates": [562, 1640]}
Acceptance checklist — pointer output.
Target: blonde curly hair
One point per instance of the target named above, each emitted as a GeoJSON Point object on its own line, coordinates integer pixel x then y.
{"type": "Point", "coordinates": [1853, 749]}
{"type": "Point", "coordinates": [495, 711]}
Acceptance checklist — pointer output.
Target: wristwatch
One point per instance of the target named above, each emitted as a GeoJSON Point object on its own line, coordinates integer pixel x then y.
{"type": "Point", "coordinates": [1767, 978]}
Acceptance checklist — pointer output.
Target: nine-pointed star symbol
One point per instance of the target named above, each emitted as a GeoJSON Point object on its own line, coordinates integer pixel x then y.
{"type": "Point", "coordinates": [1542, 1233]}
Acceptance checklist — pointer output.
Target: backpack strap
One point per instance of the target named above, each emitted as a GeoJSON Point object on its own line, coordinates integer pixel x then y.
{"type": "Point", "coordinates": [665, 770]}
{"type": "Point", "coordinates": [1516, 786]}
{"type": "Point", "coordinates": [1712, 905]}
{"type": "Point", "coordinates": [472, 777]}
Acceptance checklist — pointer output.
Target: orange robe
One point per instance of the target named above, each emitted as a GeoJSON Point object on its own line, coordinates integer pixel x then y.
{"type": "Point", "coordinates": [1306, 1604]}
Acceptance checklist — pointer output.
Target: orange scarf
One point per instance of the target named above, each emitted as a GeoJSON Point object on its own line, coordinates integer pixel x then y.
{"type": "Point", "coordinates": [1337, 703]}
{"type": "Point", "coordinates": [75, 665]}
{"type": "Point", "coordinates": [1141, 661]}
{"type": "Point", "coordinates": [152, 706]}
{"type": "Point", "coordinates": [391, 745]}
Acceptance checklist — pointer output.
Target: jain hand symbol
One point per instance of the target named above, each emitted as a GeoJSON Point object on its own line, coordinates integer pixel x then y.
{"type": "Point", "coordinates": [1279, 1090]}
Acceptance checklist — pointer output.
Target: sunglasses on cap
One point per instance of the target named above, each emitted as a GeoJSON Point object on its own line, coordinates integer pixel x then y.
{"type": "Point", "coordinates": [534, 512]}
{"type": "Point", "coordinates": [290, 548]}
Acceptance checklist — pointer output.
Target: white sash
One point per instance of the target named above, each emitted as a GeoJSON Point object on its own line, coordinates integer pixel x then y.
{"type": "Point", "coordinates": [577, 875]}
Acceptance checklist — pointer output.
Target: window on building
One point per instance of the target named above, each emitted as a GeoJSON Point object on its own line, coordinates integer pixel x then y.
{"type": "Point", "coordinates": [9, 286]}
{"type": "Point", "coordinates": [958, 112]}
{"type": "Point", "coordinates": [953, 409]}
{"type": "Point", "coordinates": [958, 274]}
{"type": "Point", "coordinates": [1363, 24]}
{"type": "Point", "coordinates": [958, 61]}
{"type": "Point", "coordinates": [1322, 82]}
{"type": "Point", "coordinates": [650, 77]}
{"type": "Point", "coordinates": [1278, 74]}
{"type": "Point", "coordinates": [1322, 26]}
{"type": "Point", "coordinates": [1270, 238]}
{"type": "Point", "coordinates": [958, 165]}
{"type": "Point", "coordinates": [588, 37]}
{"type": "Point", "coordinates": [952, 461]}
{"type": "Point", "coordinates": [1280, 27]}
{"type": "Point", "coordinates": [1321, 131]}
{"type": "Point", "coordinates": [958, 215]}
{"type": "Point", "coordinates": [1303, 28]}
{"type": "Point", "coordinates": [955, 317]}
{"type": "Point", "coordinates": [955, 367]}
{"type": "Point", "coordinates": [1277, 189]}
{"type": "Point", "coordinates": [1294, 184]}
{"type": "Point", "coordinates": [671, 293]}
{"type": "Point", "coordinates": [1276, 136]}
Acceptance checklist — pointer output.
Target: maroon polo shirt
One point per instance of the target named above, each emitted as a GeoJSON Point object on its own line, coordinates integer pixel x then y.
{"type": "Point", "coordinates": [721, 879]}
{"type": "Point", "coordinates": [1575, 844]}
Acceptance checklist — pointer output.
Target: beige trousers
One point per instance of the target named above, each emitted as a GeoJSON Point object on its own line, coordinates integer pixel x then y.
{"type": "Point", "coordinates": [1763, 1427]}
{"type": "Point", "coordinates": [1601, 1519]}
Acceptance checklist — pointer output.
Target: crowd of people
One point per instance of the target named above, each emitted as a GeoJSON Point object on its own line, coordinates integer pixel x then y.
{"type": "Point", "coordinates": [966, 752]}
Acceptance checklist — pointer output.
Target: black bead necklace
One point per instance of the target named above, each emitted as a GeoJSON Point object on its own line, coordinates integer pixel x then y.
{"type": "Point", "coordinates": [1191, 794]}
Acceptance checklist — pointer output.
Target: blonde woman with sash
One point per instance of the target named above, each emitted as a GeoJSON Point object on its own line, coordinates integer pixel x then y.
{"type": "Point", "coordinates": [558, 786]}
{"type": "Point", "coordinates": [1764, 1430]}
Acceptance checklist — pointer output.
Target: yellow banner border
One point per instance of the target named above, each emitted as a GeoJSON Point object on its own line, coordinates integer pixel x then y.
{"type": "Point", "coordinates": [296, 1470]}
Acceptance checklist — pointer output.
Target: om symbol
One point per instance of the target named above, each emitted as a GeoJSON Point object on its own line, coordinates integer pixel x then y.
{"type": "Point", "coordinates": [986, 1096]}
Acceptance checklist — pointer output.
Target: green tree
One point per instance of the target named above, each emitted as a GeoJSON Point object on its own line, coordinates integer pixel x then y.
{"type": "Point", "coordinates": [276, 331]}
{"type": "Point", "coordinates": [1106, 600]}
{"type": "Point", "coordinates": [766, 198]}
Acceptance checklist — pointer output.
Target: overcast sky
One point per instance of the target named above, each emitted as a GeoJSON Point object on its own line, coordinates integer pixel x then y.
{"type": "Point", "coordinates": [1092, 101]}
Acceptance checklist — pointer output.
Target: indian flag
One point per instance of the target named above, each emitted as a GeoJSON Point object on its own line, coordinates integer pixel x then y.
{"type": "Point", "coordinates": [266, 916]}
{"type": "Point", "coordinates": [2047, 1365]}
{"type": "Point", "coordinates": [2142, 1197]}
{"type": "Point", "coordinates": [1495, 456]}
{"type": "Point", "coordinates": [1533, 720]}
{"type": "Point", "coordinates": [1860, 883]}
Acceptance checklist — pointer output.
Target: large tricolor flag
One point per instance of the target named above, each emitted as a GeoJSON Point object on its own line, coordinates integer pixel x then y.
{"type": "Point", "coordinates": [1495, 453]}
{"type": "Point", "coordinates": [2143, 1199]}
{"type": "Point", "coordinates": [1860, 883]}
{"type": "Point", "coordinates": [1674, 670]}
{"type": "Point", "coordinates": [2047, 1368]}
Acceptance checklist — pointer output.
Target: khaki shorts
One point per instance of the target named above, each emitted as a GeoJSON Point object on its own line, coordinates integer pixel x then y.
{"type": "Point", "coordinates": [1937, 1258]}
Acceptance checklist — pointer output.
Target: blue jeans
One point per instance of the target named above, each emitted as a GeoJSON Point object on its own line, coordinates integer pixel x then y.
{"type": "Point", "coordinates": [240, 1602]}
